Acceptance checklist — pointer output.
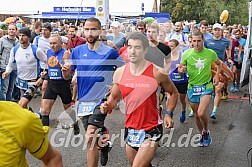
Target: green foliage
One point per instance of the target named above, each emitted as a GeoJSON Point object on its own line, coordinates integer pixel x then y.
{"type": "Point", "coordinates": [206, 10]}
{"type": "Point", "coordinates": [4, 26]}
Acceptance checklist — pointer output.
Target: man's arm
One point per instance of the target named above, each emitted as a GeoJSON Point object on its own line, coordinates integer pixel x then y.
{"type": "Point", "coordinates": [52, 158]}
{"type": "Point", "coordinates": [10, 65]}
{"type": "Point", "coordinates": [67, 70]}
{"type": "Point", "coordinates": [216, 77]}
{"type": "Point", "coordinates": [170, 88]}
{"type": "Point", "coordinates": [115, 94]}
{"type": "Point", "coordinates": [41, 55]}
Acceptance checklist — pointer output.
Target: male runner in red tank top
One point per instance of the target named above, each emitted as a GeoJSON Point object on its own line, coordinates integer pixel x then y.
{"type": "Point", "coordinates": [138, 83]}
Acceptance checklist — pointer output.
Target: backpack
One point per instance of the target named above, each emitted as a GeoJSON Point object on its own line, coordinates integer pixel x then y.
{"type": "Point", "coordinates": [37, 38]}
{"type": "Point", "coordinates": [183, 36]}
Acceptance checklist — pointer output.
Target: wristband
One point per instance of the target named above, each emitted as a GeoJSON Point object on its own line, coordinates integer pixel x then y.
{"type": "Point", "coordinates": [169, 113]}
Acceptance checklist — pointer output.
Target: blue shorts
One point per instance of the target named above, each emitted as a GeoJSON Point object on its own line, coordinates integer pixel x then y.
{"type": "Point", "coordinates": [196, 98]}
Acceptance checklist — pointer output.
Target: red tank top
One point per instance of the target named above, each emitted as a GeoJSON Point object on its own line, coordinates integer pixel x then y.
{"type": "Point", "coordinates": [141, 97]}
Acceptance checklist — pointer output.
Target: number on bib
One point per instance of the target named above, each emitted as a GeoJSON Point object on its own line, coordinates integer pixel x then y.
{"type": "Point", "coordinates": [198, 90]}
{"type": "Point", "coordinates": [135, 137]}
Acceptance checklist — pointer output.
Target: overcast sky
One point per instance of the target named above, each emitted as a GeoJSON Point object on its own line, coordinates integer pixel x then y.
{"type": "Point", "coordinates": [32, 6]}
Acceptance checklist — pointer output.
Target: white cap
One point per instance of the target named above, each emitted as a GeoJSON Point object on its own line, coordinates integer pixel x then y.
{"type": "Point", "coordinates": [217, 25]}
{"type": "Point", "coordinates": [115, 24]}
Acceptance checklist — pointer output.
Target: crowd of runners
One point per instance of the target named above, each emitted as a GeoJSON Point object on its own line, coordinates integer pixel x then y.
{"type": "Point", "coordinates": [147, 66]}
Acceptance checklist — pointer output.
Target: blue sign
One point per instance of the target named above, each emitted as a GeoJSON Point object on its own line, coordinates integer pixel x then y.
{"type": "Point", "coordinates": [142, 7]}
{"type": "Point", "coordinates": [74, 9]}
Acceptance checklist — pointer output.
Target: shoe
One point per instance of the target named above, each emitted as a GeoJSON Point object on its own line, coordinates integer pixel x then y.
{"type": "Point", "coordinates": [76, 128]}
{"type": "Point", "coordinates": [232, 89]}
{"type": "Point", "coordinates": [104, 153]}
{"type": "Point", "coordinates": [182, 116]}
{"type": "Point", "coordinates": [206, 138]}
{"type": "Point", "coordinates": [213, 115]}
{"type": "Point", "coordinates": [191, 114]}
{"type": "Point", "coordinates": [224, 96]}
{"type": "Point", "coordinates": [237, 89]}
{"type": "Point", "coordinates": [201, 143]}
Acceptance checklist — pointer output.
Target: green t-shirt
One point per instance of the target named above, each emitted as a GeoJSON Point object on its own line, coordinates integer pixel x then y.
{"type": "Point", "coordinates": [199, 65]}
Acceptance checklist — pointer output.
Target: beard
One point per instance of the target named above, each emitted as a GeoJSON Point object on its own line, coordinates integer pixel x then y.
{"type": "Point", "coordinates": [93, 39]}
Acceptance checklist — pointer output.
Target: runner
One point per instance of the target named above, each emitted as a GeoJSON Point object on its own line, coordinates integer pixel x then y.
{"type": "Point", "coordinates": [180, 80]}
{"type": "Point", "coordinates": [95, 64]}
{"type": "Point", "coordinates": [23, 55]}
{"type": "Point", "coordinates": [197, 62]}
{"type": "Point", "coordinates": [220, 45]}
{"type": "Point", "coordinates": [238, 58]}
{"type": "Point", "coordinates": [138, 83]}
{"type": "Point", "coordinates": [21, 130]}
{"type": "Point", "coordinates": [56, 83]}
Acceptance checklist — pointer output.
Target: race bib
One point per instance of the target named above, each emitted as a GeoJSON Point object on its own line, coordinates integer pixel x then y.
{"type": "Point", "coordinates": [198, 90]}
{"type": "Point", "coordinates": [55, 74]}
{"type": "Point", "coordinates": [22, 84]}
{"type": "Point", "coordinates": [135, 137]}
{"type": "Point", "coordinates": [86, 108]}
{"type": "Point", "coordinates": [177, 77]}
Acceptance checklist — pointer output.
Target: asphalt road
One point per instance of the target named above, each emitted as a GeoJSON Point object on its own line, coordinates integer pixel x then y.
{"type": "Point", "coordinates": [231, 134]}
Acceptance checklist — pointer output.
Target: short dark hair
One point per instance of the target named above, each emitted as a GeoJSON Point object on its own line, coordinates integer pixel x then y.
{"type": "Point", "coordinates": [92, 19]}
{"type": "Point", "coordinates": [204, 23]}
{"type": "Point", "coordinates": [138, 36]}
{"type": "Point", "coordinates": [141, 23]}
{"type": "Point", "coordinates": [175, 41]}
{"type": "Point", "coordinates": [198, 33]}
{"type": "Point", "coordinates": [73, 26]}
{"type": "Point", "coordinates": [38, 24]}
{"type": "Point", "coordinates": [237, 30]}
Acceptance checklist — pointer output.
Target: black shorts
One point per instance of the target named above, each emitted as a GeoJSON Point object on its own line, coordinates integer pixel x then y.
{"type": "Point", "coordinates": [238, 66]}
{"type": "Point", "coordinates": [58, 88]}
{"type": "Point", "coordinates": [182, 87]}
{"type": "Point", "coordinates": [154, 134]}
{"type": "Point", "coordinates": [85, 121]}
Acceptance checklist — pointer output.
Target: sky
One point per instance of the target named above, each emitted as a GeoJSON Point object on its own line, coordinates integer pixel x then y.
{"type": "Point", "coordinates": [116, 7]}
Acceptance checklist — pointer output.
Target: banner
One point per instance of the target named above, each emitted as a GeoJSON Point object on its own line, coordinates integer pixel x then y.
{"type": "Point", "coordinates": [102, 11]}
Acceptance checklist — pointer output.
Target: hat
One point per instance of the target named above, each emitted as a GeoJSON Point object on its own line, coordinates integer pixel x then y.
{"type": "Point", "coordinates": [25, 31]}
{"type": "Point", "coordinates": [115, 24]}
{"type": "Point", "coordinates": [186, 29]}
{"type": "Point", "coordinates": [48, 26]}
{"type": "Point", "coordinates": [217, 25]}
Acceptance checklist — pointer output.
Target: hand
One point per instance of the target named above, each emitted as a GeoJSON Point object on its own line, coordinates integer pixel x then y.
{"type": "Point", "coordinates": [216, 80]}
{"type": "Point", "coordinates": [182, 68]}
{"type": "Point", "coordinates": [230, 62]}
{"type": "Point", "coordinates": [168, 122]}
{"type": "Point", "coordinates": [43, 74]}
{"type": "Point", "coordinates": [74, 80]}
{"type": "Point", "coordinates": [104, 108]}
{"type": "Point", "coordinates": [5, 75]}
{"type": "Point", "coordinates": [66, 70]}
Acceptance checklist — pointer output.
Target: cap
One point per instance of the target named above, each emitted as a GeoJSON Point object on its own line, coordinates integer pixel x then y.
{"type": "Point", "coordinates": [48, 26]}
{"type": "Point", "coordinates": [115, 24]}
{"type": "Point", "coordinates": [26, 31]}
{"type": "Point", "coordinates": [217, 25]}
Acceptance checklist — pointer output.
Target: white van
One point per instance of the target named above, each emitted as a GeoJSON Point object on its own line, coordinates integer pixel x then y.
{"type": "Point", "coordinates": [246, 71]}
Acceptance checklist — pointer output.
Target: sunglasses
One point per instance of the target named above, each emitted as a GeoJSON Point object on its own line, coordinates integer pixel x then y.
{"type": "Point", "coordinates": [140, 28]}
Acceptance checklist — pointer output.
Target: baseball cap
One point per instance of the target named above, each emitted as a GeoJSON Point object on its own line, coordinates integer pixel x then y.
{"type": "Point", "coordinates": [217, 25]}
{"type": "Point", "coordinates": [115, 24]}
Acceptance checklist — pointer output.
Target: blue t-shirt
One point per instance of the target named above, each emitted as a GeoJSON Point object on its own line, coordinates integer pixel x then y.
{"type": "Point", "coordinates": [54, 72]}
{"type": "Point", "coordinates": [219, 46]}
{"type": "Point", "coordinates": [242, 42]}
{"type": "Point", "coordinates": [118, 40]}
{"type": "Point", "coordinates": [208, 36]}
{"type": "Point", "coordinates": [95, 70]}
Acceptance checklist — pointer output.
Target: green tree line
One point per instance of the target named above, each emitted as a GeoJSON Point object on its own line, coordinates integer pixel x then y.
{"type": "Point", "coordinates": [206, 10]}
